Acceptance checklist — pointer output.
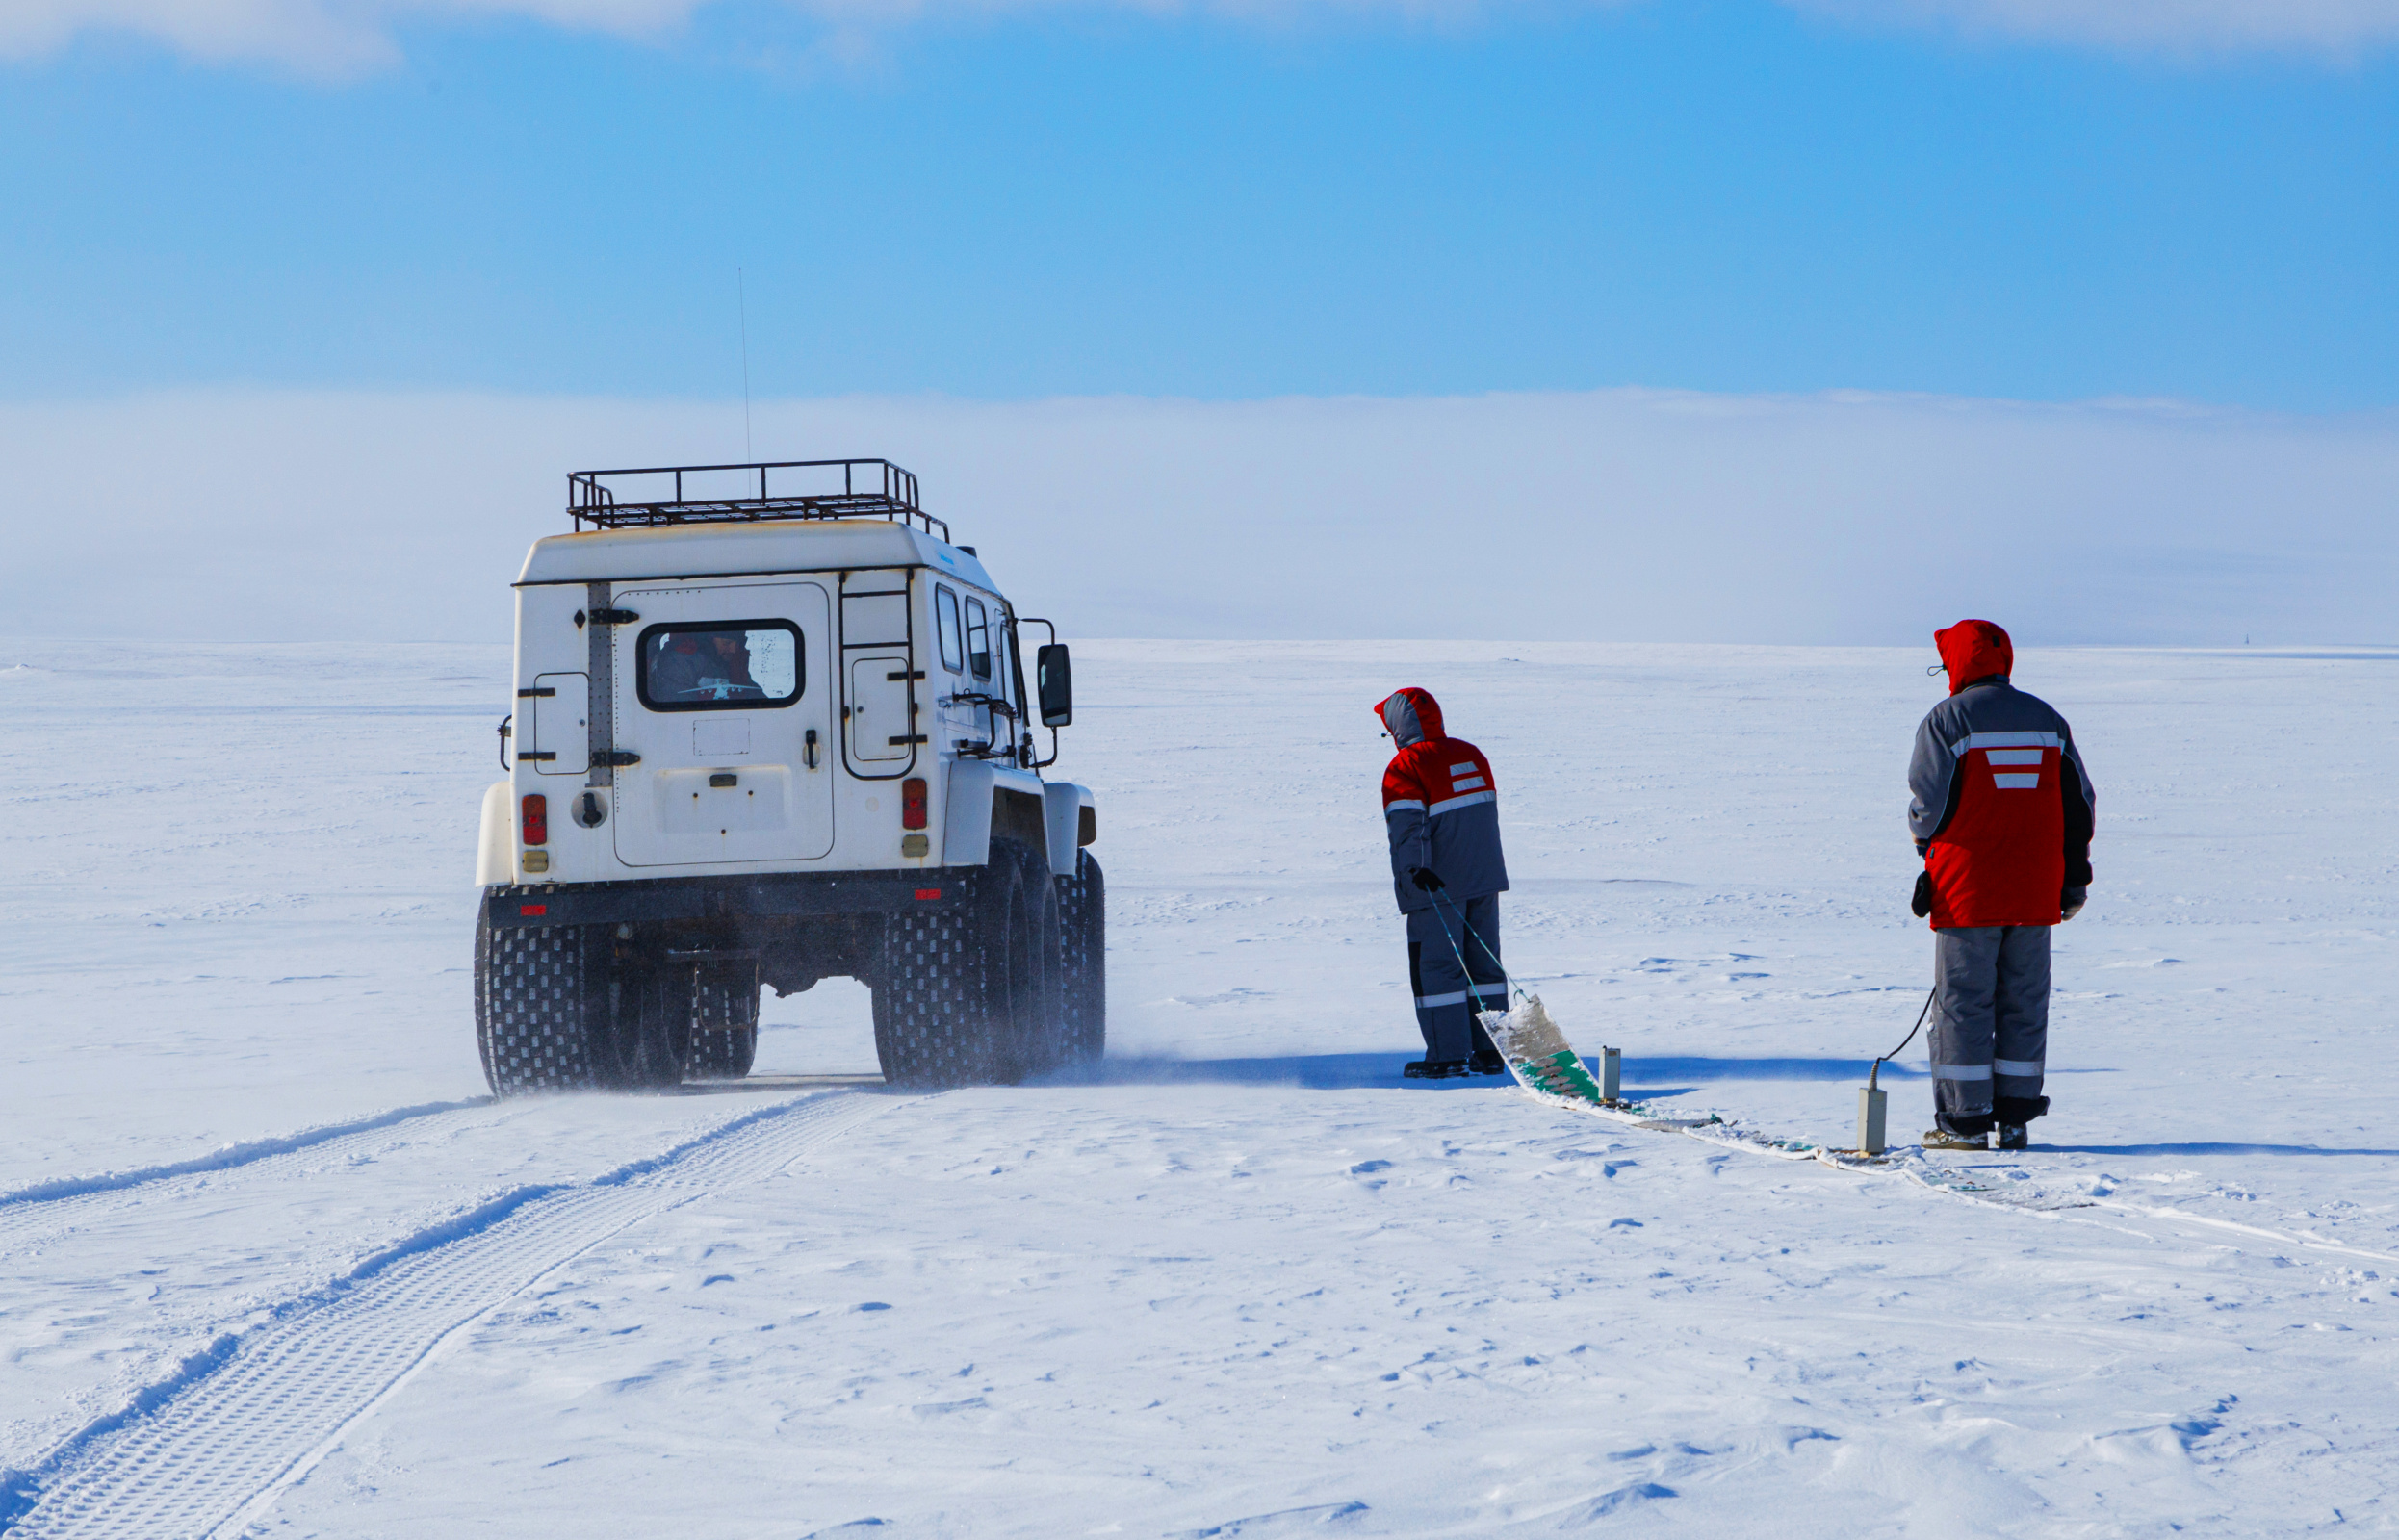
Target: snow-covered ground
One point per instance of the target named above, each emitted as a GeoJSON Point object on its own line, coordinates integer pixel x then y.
{"type": "Point", "coordinates": [269, 1261]}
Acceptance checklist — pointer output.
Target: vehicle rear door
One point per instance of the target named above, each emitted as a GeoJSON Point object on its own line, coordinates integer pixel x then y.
{"type": "Point", "coordinates": [726, 692]}
{"type": "Point", "coordinates": [878, 650]}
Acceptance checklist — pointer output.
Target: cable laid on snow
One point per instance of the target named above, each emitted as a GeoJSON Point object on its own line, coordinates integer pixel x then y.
{"type": "Point", "coordinates": [2294, 1241]}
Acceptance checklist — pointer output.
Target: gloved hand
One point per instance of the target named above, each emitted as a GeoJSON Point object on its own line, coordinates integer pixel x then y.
{"type": "Point", "coordinates": [1425, 878]}
{"type": "Point", "coordinates": [1920, 902]}
{"type": "Point", "coordinates": [2071, 903]}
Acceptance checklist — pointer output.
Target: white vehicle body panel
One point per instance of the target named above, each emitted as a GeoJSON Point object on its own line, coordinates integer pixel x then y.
{"type": "Point", "coordinates": [1062, 813]}
{"type": "Point", "coordinates": [879, 693]}
{"type": "Point", "coordinates": [495, 846]}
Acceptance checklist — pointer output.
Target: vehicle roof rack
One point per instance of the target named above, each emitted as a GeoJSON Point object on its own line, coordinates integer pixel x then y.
{"type": "Point", "coordinates": [809, 489]}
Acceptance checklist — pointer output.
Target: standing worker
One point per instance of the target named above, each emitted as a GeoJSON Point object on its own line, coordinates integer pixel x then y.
{"type": "Point", "coordinates": [2002, 811]}
{"type": "Point", "coordinates": [1440, 807]}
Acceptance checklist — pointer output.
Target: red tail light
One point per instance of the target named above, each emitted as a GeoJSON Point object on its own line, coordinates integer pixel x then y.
{"type": "Point", "coordinates": [537, 819]}
{"type": "Point", "coordinates": [912, 804]}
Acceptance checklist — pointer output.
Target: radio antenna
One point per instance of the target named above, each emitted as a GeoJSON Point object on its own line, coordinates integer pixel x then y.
{"type": "Point", "coordinates": [742, 291]}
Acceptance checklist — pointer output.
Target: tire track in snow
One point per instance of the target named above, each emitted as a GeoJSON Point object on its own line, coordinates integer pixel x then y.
{"type": "Point", "coordinates": [57, 1205]}
{"type": "Point", "coordinates": [211, 1447]}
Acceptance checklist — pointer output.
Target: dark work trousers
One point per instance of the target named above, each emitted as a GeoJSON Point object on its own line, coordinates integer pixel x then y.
{"type": "Point", "coordinates": [1447, 996]}
{"type": "Point", "coordinates": [1990, 1024]}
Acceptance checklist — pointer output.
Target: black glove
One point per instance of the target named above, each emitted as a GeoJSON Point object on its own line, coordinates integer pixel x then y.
{"type": "Point", "coordinates": [1425, 878]}
{"type": "Point", "coordinates": [1920, 902]}
{"type": "Point", "coordinates": [2070, 903]}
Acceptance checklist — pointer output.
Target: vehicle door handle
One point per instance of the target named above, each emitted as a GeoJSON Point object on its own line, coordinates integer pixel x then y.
{"type": "Point", "coordinates": [807, 750]}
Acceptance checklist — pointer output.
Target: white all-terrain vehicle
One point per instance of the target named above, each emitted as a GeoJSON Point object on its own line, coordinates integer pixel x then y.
{"type": "Point", "coordinates": [771, 728]}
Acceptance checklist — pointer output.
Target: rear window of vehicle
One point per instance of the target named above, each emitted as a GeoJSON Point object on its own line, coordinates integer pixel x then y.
{"type": "Point", "coordinates": [720, 666]}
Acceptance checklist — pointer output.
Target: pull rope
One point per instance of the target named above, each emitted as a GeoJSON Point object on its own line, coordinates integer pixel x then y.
{"type": "Point", "coordinates": [1461, 958]}
{"type": "Point", "coordinates": [1441, 896]}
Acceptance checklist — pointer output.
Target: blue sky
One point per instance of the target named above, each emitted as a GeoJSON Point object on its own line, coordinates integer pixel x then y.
{"type": "Point", "coordinates": [1723, 195]}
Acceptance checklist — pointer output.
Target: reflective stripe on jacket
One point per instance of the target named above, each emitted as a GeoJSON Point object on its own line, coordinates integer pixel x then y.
{"type": "Point", "coordinates": [1440, 806]}
{"type": "Point", "coordinates": [2000, 805]}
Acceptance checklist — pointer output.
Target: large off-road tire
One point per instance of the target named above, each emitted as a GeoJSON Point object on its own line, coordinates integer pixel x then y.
{"type": "Point", "coordinates": [645, 1025]}
{"type": "Point", "coordinates": [533, 1015]}
{"type": "Point", "coordinates": [724, 1021]}
{"type": "Point", "coordinates": [929, 1028]}
{"type": "Point", "coordinates": [1083, 971]}
{"type": "Point", "coordinates": [966, 993]}
{"type": "Point", "coordinates": [722, 1055]}
{"type": "Point", "coordinates": [1027, 1002]}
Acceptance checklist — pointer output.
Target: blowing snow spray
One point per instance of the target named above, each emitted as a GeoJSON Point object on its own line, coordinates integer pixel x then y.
{"type": "Point", "coordinates": [1873, 1102]}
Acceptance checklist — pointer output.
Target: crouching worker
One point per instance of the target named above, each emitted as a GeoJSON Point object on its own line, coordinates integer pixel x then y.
{"type": "Point", "coordinates": [2002, 812]}
{"type": "Point", "coordinates": [1441, 810]}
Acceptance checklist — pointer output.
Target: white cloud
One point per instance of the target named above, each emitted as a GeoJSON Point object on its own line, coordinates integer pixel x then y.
{"type": "Point", "coordinates": [1607, 516]}
{"type": "Point", "coordinates": [341, 38]}
{"type": "Point", "coordinates": [336, 38]}
{"type": "Point", "coordinates": [318, 38]}
{"type": "Point", "coordinates": [2334, 27]}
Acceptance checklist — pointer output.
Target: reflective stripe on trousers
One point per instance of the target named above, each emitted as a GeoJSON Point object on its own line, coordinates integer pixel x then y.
{"type": "Point", "coordinates": [1489, 996]}
{"type": "Point", "coordinates": [1444, 1010]}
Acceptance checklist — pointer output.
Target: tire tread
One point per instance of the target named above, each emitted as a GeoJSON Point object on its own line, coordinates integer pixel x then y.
{"type": "Point", "coordinates": [530, 999]}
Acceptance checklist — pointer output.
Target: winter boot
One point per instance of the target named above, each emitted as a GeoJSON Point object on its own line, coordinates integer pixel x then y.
{"type": "Point", "coordinates": [1437, 1069]}
{"type": "Point", "coordinates": [2015, 1136]}
{"type": "Point", "coordinates": [1487, 1061]}
{"type": "Point", "coordinates": [1942, 1139]}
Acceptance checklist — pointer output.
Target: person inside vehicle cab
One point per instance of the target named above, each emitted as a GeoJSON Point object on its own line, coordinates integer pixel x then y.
{"type": "Point", "coordinates": [730, 665]}
{"type": "Point", "coordinates": [702, 666]}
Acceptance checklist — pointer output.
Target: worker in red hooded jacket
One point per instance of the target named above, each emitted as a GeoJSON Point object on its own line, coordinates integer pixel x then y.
{"type": "Point", "coordinates": [1440, 810]}
{"type": "Point", "coordinates": [2002, 809]}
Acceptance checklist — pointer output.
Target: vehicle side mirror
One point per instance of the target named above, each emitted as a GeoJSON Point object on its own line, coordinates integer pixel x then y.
{"type": "Point", "coordinates": [1056, 687]}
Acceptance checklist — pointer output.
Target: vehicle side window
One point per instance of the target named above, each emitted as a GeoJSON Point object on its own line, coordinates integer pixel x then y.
{"type": "Point", "coordinates": [729, 665]}
{"type": "Point", "coordinates": [978, 640]}
{"type": "Point", "coordinates": [945, 621]}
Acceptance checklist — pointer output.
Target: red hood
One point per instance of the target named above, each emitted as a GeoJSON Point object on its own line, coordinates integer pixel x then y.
{"type": "Point", "coordinates": [1975, 649]}
{"type": "Point", "coordinates": [1411, 715]}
